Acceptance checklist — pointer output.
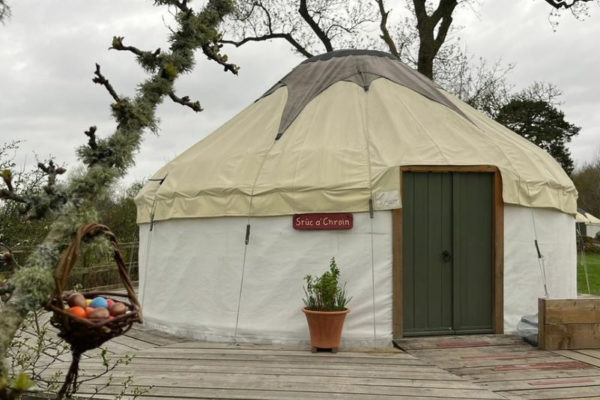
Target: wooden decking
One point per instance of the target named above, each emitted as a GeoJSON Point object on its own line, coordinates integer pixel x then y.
{"type": "Point", "coordinates": [178, 369]}
{"type": "Point", "coordinates": [511, 368]}
{"type": "Point", "coordinates": [471, 367]}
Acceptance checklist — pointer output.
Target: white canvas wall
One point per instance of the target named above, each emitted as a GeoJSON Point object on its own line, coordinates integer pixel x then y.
{"type": "Point", "coordinates": [194, 270]}
{"type": "Point", "coordinates": [523, 280]}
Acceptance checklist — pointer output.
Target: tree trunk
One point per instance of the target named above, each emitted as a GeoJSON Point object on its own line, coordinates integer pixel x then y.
{"type": "Point", "coordinates": [425, 61]}
{"type": "Point", "coordinates": [427, 51]}
{"type": "Point", "coordinates": [430, 38]}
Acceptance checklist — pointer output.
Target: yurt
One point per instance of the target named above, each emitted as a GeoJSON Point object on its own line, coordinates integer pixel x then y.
{"type": "Point", "coordinates": [590, 224]}
{"type": "Point", "coordinates": [441, 220]}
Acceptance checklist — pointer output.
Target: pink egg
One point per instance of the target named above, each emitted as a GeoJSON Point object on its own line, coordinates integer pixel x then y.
{"type": "Point", "coordinates": [110, 302]}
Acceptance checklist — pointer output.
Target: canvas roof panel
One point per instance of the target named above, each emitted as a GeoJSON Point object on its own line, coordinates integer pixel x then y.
{"type": "Point", "coordinates": [344, 147]}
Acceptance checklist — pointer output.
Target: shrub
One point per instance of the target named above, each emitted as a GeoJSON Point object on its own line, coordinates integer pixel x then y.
{"type": "Point", "coordinates": [324, 293]}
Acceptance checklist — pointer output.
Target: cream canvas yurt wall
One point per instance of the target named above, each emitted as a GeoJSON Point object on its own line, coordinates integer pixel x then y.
{"type": "Point", "coordinates": [332, 136]}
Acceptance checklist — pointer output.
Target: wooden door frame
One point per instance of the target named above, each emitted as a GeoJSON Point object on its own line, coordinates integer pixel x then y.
{"type": "Point", "coordinates": [497, 238]}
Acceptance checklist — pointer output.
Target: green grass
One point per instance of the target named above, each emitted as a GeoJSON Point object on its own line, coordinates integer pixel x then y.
{"type": "Point", "coordinates": [593, 266]}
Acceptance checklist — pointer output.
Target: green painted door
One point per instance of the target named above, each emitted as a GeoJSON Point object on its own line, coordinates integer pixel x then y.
{"type": "Point", "coordinates": [447, 250]}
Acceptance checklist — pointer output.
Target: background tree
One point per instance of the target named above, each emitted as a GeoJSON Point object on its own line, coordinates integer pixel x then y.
{"type": "Point", "coordinates": [541, 123]}
{"type": "Point", "coordinates": [14, 230]}
{"type": "Point", "coordinates": [71, 204]}
{"type": "Point", "coordinates": [587, 182]}
{"type": "Point", "coordinates": [119, 212]}
{"type": "Point", "coordinates": [419, 38]}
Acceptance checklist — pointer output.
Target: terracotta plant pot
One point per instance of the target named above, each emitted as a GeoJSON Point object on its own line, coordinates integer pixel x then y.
{"type": "Point", "coordinates": [325, 328]}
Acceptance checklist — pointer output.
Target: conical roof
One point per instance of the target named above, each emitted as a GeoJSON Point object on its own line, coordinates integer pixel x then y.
{"type": "Point", "coordinates": [332, 135]}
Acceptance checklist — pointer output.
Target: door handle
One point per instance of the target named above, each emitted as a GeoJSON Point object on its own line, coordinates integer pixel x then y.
{"type": "Point", "coordinates": [446, 256]}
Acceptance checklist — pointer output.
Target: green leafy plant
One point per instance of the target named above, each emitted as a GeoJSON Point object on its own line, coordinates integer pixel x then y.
{"type": "Point", "coordinates": [324, 293]}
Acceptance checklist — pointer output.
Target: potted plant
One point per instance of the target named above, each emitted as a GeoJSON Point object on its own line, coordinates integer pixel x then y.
{"type": "Point", "coordinates": [325, 308]}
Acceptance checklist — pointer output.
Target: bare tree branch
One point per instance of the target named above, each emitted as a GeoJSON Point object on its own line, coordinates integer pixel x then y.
{"type": "Point", "coordinates": [6, 194]}
{"type": "Point", "coordinates": [303, 10]}
{"type": "Point", "coordinates": [558, 4]}
{"type": "Point", "coordinates": [213, 52]}
{"type": "Point", "coordinates": [101, 80]}
{"type": "Point", "coordinates": [285, 36]}
{"type": "Point", "coordinates": [185, 101]}
{"type": "Point", "coordinates": [117, 44]}
{"type": "Point", "coordinates": [9, 193]}
{"type": "Point", "coordinates": [91, 134]}
{"type": "Point", "coordinates": [270, 33]}
{"type": "Point", "coordinates": [430, 42]}
{"type": "Point", "coordinates": [52, 171]}
{"type": "Point", "coordinates": [385, 34]}
{"type": "Point", "coordinates": [443, 13]}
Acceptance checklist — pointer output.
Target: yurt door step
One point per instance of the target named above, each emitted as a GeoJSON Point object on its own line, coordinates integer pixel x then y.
{"type": "Point", "coordinates": [448, 255]}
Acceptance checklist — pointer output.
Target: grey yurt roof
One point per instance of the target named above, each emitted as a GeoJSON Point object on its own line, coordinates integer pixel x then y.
{"type": "Point", "coordinates": [362, 67]}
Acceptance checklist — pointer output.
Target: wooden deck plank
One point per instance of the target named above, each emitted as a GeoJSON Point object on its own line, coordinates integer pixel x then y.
{"type": "Point", "coordinates": [437, 342]}
{"type": "Point", "coordinates": [229, 379]}
{"type": "Point", "coordinates": [324, 391]}
{"type": "Point", "coordinates": [276, 395]}
{"type": "Point", "coordinates": [560, 393]}
{"type": "Point", "coordinates": [531, 384]}
{"type": "Point", "coordinates": [159, 370]}
{"type": "Point", "coordinates": [465, 351]}
{"type": "Point", "coordinates": [580, 356]}
{"type": "Point", "coordinates": [278, 352]}
{"type": "Point", "coordinates": [154, 337]}
{"type": "Point", "coordinates": [495, 361]}
{"type": "Point", "coordinates": [266, 357]}
{"type": "Point", "coordinates": [139, 364]}
{"type": "Point", "coordinates": [591, 352]}
{"type": "Point", "coordinates": [530, 375]}
{"type": "Point", "coordinates": [133, 342]}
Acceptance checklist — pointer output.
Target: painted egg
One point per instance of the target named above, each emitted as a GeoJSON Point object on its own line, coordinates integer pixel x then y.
{"type": "Point", "coordinates": [99, 314]}
{"type": "Point", "coordinates": [88, 311]}
{"type": "Point", "coordinates": [118, 309]}
{"type": "Point", "coordinates": [76, 299]}
{"type": "Point", "coordinates": [88, 301]}
{"type": "Point", "coordinates": [99, 302]}
{"type": "Point", "coordinates": [77, 311]}
{"type": "Point", "coordinates": [110, 303]}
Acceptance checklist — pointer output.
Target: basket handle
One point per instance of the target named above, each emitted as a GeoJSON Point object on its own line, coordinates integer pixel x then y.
{"type": "Point", "coordinates": [69, 257]}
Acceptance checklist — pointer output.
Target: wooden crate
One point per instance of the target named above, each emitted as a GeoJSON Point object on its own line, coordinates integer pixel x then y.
{"type": "Point", "coordinates": [569, 324]}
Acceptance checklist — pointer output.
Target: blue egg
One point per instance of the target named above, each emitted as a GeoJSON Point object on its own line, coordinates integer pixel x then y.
{"type": "Point", "coordinates": [99, 302]}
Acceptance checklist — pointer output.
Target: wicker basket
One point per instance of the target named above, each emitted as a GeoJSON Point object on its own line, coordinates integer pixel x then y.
{"type": "Point", "coordinates": [83, 334]}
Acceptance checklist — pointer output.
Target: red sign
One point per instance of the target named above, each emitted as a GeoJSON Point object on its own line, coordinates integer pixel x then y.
{"type": "Point", "coordinates": [325, 221]}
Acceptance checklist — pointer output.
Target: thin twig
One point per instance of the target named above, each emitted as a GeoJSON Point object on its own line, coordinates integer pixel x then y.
{"type": "Point", "coordinates": [101, 80]}
{"type": "Point", "coordinates": [558, 4]}
{"type": "Point", "coordinates": [91, 134]}
{"type": "Point", "coordinates": [185, 101]}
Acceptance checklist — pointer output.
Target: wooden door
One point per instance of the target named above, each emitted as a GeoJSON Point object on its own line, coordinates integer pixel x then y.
{"type": "Point", "coordinates": [447, 253]}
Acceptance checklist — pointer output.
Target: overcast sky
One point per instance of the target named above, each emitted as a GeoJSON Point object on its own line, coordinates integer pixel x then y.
{"type": "Point", "coordinates": [48, 50]}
